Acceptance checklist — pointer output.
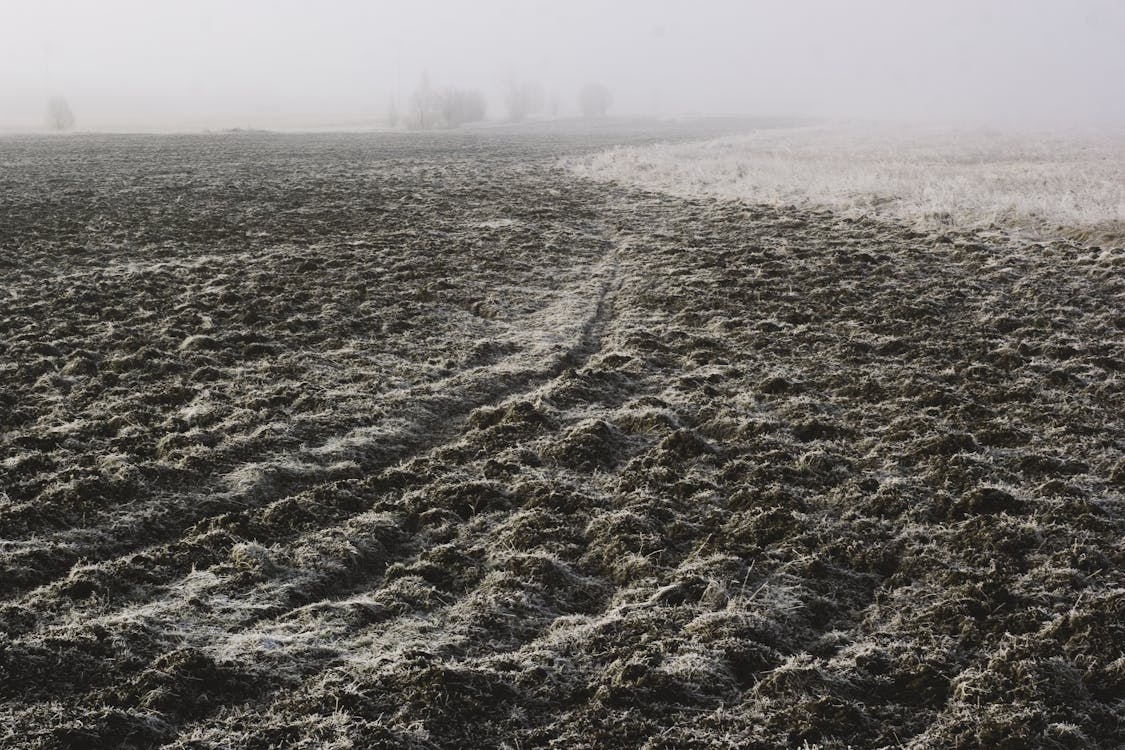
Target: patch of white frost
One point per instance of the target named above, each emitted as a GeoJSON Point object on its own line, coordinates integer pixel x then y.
{"type": "Point", "coordinates": [1046, 184]}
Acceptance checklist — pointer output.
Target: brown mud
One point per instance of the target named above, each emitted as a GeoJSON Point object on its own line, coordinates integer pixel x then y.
{"type": "Point", "coordinates": [405, 441]}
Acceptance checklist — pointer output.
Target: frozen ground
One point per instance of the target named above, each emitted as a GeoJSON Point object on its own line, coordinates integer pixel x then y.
{"type": "Point", "coordinates": [423, 442]}
{"type": "Point", "coordinates": [1037, 185]}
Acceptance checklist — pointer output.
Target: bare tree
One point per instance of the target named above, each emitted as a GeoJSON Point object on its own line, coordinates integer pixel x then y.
{"type": "Point", "coordinates": [594, 100]}
{"type": "Point", "coordinates": [523, 98]}
{"type": "Point", "coordinates": [424, 105]}
{"type": "Point", "coordinates": [59, 115]}
{"type": "Point", "coordinates": [392, 113]}
{"type": "Point", "coordinates": [459, 106]}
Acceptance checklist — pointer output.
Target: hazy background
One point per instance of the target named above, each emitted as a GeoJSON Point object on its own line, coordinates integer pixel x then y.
{"type": "Point", "coordinates": [188, 64]}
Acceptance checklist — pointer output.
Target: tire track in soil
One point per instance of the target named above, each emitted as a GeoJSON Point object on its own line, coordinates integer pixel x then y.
{"type": "Point", "coordinates": [433, 619]}
{"type": "Point", "coordinates": [441, 425]}
{"type": "Point", "coordinates": [368, 580]}
{"type": "Point", "coordinates": [444, 419]}
{"type": "Point", "coordinates": [165, 518]}
{"type": "Point", "coordinates": [586, 345]}
{"type": "Point", "coordinates": [436, 616]}
{"type": "Point", "coordinates": [417, 629]}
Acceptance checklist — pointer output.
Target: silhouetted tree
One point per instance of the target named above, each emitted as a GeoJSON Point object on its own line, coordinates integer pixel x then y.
{"type": "Point", "coordinates": [523, 98]}
{"type": "Point", "coordinates": [392, 113]}
{"type": "Point", "coordinates": [459, 106]}
{"type": "Point", "coordinates": [59, 115]}
{"type": "Point", "coordinates": [423, 105]}
{"type": "Point", "coordinates": [594, 100]}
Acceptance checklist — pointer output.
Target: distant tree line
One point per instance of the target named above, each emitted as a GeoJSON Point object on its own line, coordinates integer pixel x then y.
{"type": "Point", "coordinates": [431, 108]}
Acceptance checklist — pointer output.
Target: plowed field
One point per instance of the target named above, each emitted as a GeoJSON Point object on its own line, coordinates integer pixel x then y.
{"type": "Point", "coordinates": [424, 442]}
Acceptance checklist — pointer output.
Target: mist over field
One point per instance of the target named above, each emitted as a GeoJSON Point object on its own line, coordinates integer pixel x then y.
{"type": "Point", "coordinates": [134, 65]}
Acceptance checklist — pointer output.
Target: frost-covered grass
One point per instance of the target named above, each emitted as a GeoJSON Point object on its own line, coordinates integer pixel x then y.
{"type": "Point", "coordinates": [1052, 185]}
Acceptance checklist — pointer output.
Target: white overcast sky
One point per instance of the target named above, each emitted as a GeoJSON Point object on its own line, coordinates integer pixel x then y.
{"type": "Point", "coordinates": [189, 63]}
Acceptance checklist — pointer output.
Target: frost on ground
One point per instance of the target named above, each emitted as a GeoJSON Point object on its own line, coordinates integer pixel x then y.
{"type": "Point", "coordinates": [413, 442]}
{"type": "Point", "coordinates": [1038, 185]}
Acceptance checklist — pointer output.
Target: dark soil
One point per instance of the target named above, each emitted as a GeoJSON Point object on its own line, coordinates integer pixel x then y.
{"type": "Point", "coordinates": [420, 442]}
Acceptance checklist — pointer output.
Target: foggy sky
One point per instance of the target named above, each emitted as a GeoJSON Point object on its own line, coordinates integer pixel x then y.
{"type": "Point", "coordinates": [139, 64]}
